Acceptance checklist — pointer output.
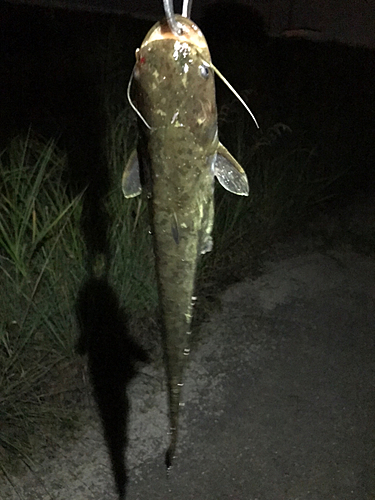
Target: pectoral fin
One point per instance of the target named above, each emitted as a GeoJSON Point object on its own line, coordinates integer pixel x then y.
{"type": "Point", "coordinates": [131, 182]}
{"type": "Point", "coordinates": [229, 172]}
{"type": "Point", "coordinates": [206, 245]}
{"type": "Point", "coordinates": [174, 230]}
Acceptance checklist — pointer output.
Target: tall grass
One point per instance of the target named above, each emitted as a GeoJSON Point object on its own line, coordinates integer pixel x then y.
{"type": "Point", "coordinates": [40, 264]}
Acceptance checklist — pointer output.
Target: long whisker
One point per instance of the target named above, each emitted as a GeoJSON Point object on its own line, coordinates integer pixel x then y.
{"type": "Point", "coordinates": [131, 102]}
{"type": "Point", "coordinates": [222, 77]}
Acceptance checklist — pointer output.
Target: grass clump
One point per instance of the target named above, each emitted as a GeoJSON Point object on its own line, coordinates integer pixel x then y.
{"type": "Point", "coordinates": [40, 265]}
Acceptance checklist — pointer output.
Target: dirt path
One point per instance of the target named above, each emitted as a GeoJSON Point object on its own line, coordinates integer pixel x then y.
{"type": "Point", "coordinates": [280, 400]}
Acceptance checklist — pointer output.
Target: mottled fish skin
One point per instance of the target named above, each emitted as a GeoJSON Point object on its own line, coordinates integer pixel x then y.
{"type": "Point", "coordinates": [173, 89]}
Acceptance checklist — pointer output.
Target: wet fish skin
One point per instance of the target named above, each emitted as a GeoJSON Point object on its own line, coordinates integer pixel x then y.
{"type": "Point", "coordinates": [178, 155]}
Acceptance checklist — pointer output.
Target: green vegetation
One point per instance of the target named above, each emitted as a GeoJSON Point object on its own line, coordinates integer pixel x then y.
{"type": "Point", "coordinates": [40, 264]}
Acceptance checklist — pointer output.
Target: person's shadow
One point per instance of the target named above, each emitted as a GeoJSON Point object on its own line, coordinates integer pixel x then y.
{"type": "Point", "coordinates": [112, 355]}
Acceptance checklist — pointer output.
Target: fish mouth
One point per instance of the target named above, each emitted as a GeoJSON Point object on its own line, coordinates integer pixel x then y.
{"type": "Point", "coordinates": [191, 34]}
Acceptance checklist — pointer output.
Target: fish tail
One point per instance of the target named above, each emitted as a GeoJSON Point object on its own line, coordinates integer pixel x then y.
{"type": "Point", "coordinates": [174, 404]}
{"type": "Point", "coordinates": [171, 452]}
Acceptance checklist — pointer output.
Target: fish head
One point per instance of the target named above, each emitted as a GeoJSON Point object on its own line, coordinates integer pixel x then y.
{"type": "Point", "coordinates": [173, 79]}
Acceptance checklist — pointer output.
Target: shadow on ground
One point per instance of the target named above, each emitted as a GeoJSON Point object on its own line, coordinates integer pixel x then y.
{"type": "Point", "coordinates": [111, 358]}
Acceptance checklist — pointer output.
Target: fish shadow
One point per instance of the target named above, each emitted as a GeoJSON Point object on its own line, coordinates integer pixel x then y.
{"type": "Point", "coordinates": [112, 358]}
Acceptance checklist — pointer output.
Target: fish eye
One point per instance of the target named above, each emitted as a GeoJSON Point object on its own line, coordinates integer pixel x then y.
{"type": "Point", "coordinates": [204, 71]}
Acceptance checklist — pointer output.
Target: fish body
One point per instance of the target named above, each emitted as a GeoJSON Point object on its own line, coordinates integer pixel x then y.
{"type": "Point", "coordinates": [177, 158]}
